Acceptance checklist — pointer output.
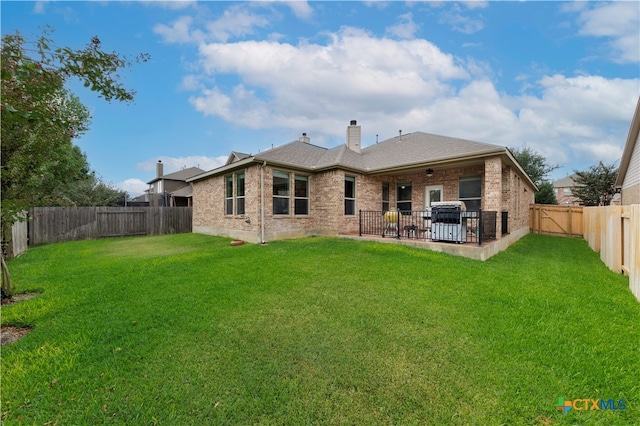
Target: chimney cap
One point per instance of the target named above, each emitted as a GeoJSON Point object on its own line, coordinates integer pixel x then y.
{"type": "Point", "coordinates": [354, 122]}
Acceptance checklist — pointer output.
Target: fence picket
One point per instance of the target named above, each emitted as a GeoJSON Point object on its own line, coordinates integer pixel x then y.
{"type": "Point", "coordinates": [57, 224]}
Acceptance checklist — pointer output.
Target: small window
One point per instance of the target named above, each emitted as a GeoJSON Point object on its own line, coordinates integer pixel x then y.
{"type": "Point", "coordinates": [470, 191]}
{"type": "Point", "coordinates": [404, 197]}
{"type": "Point", "coordinates": [240, 193]}
{"type": "Point", "coordinates": [228, 200]}
{"type": "Point", "coordinates": [349, 195]}
{"type": "Point", "coordinates": [280, 193]}
{"type": "Point", "coordinates": [301, 191]}
{"type": "Point", "coordinates": [385, 197]}
{"type": "Point", "coordinates": [566, 192]}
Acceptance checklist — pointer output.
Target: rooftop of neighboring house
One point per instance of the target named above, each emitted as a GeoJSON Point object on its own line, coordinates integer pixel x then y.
{"type": "Point", "coordinates": [566, 182]}
{"type": "Point", "coordinates": [180, 175]}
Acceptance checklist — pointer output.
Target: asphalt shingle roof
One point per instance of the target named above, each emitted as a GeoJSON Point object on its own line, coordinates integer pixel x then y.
{"type": "Point", "coordinates": [182, 175]}
{"type": "Point", "coordinates": [412, 148]}
{"type": "Point", "coordinates": [402, 151]}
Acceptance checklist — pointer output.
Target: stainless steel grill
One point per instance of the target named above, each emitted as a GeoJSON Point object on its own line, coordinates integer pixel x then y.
{"type": "Point", "coordinates": [448, 222]}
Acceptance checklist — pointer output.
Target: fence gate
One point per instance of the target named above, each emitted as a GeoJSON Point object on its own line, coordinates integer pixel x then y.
{"type": "Point", "coordinates": [122, 223]}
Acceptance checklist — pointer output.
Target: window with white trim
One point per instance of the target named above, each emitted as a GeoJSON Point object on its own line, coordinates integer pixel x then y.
{"type": "Point", "coordinates": [228, 198]}
{"type": "Point", "coordinates": [349, 195]}
{"type": "Point", "coordinates": [385, 196]}
{"type": "Point", "coordinates": [281, 193]}
{"type": "Point", "coordinates": [240, 193]}
{"type": "Point", "coordinates": [403, 196]}
{"type": "Point", "coordinates": [301, 194]}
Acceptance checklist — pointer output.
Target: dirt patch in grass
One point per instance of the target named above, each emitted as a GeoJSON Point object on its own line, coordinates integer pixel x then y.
{"type": "Point", "coordinates": [11, 333]}
{"type": "Point", "coordinates": [18, 298]}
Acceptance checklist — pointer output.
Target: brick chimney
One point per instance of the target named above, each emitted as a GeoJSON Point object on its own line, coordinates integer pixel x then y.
{"type": "Point", "coordinates": [354, 136]}
{"type": "Point", "coordinates": [159, 169]}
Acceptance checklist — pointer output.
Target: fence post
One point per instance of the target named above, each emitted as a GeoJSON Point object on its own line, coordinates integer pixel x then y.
{"type": "Point", "coordinates": [480, 227]}
{"type": "Point", "coordinates": [398, 223]}
{"type": "Point", "coordinates": [360, 223]}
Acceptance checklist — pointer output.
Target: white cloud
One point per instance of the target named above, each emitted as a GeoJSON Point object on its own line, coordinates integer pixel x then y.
{"type": "Point", "coordinates": [405, 28]}
{"type": "Point", "coordinates": [460, 21]}
{"type": "Point", "coordinates": [237, 21]}
{"type": "Point", "coordinates": [619, 22]}
{"type": "Point", "coordinates": [40, 6]}
{"type": "Point", "coordinates": [301, 8]}
{"type": "Point", "coordinates": [134, 187]}
{"type": "Point", "coordinates": [178, 32]}
{"type": "Point", "coordinates": [354, 72]}
{"type": "Point", "coordinates": [172, 4]}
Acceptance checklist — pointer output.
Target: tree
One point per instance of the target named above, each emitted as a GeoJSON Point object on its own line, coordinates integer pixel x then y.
{"type": "Point", "coordinates": [88, 191]}
{"type": "Point", "coordinates": [40, 119]}
{"type": "Point", "coordinates": [536, 166]}
{"type": "Point", "coordinates": [595, 186]}
{"type": "Point", "coordinates": [546, 193]}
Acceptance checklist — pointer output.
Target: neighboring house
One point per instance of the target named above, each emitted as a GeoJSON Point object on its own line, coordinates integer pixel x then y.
{"type": "Point", "coordinates": [563, 189]}
{"type": "Point", "coordinates": [628, 180]}
{"type": "Point", "coordinates": [171, 190]}
{"type": "Point", "coordinates": [299, 189]}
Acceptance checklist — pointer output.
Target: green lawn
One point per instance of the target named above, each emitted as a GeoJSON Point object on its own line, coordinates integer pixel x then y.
{"type": "Point", "coordinates": [186, 329]}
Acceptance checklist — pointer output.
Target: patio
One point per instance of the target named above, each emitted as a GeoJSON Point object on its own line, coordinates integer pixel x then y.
{"type": "Point", "coordinates": [474, 237]}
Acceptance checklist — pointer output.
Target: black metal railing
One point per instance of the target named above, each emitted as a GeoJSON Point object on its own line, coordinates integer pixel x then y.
{"type": "Point", "coordinates": [450, 226]}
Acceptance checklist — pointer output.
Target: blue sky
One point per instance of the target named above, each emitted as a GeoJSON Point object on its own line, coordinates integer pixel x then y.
{"type": "Point", "coordinates": [562, 78]}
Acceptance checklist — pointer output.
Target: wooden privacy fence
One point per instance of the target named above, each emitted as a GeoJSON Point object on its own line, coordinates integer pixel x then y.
{"type": "Point", "coordinates": [556, 220]}
{"type": "Point", "coordinates": [57, 224]}
{"type": "Point", "coordinates": [614, 231]}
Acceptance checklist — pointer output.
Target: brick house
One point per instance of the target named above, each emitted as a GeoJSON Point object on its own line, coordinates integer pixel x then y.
{"type": "Point", "coordinates": [628, 179]}
{"type": "Point", "coordinates": [300, 189]}
{"type": "Point", "coordinates": [171, 190]}
{"type": "Point", "coordinates": [564, 191]}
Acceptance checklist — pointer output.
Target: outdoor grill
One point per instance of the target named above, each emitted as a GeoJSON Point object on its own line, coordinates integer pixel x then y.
{"type": "Point", "coordinates": [448, 222]}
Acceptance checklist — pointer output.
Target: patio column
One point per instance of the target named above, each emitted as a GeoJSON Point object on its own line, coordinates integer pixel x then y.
{"type": "Point", "coordinates": [493, 190]}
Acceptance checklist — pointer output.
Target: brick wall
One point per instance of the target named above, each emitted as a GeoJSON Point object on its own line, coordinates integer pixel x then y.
{"type": "Point", "coordinates": [502, 190]}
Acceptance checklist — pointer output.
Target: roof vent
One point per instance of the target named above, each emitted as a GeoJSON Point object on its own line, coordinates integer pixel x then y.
{"type": "Point", "coordinates": [353, 122]}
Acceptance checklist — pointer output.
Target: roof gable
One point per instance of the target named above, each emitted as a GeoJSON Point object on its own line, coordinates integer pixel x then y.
{"type": "Point", "coordinates": [419, 147]}
{"type": "Point", "coordinates": [236, 156]}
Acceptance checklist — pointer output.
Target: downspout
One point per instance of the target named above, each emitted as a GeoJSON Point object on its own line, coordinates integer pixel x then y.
{"type": "Point", "coordinates": [262, 202]}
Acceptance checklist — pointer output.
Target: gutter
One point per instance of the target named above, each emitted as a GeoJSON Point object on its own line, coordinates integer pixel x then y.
{"type": "Point", "coordinates": [262, 202]}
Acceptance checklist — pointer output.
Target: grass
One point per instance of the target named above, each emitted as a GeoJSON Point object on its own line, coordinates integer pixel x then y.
{"type": "Point", "coordinates": [186, 329]}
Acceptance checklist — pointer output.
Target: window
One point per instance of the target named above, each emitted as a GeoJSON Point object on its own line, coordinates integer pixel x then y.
{"type": "Point", "coordinates": [349, 195]}
{"type": "Point", "coordinates": [240, 193]}
{"type": "Point", "coordinates": [280, 193]}
{"type": "Point", "coordinates": [566, 192]}
{"type": "Point", "coordinates": [470, 191]}
{"type": "Point", "coordinates": [385, 197]}
{"type": "Point", "coordinates": [230, 196]}
{"type": "Point", "coordinates": [228, 200]}
{"type": "Point", "coordinates": [403, 196]}
{"type": "Point", "coordinates": [301, 193]}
